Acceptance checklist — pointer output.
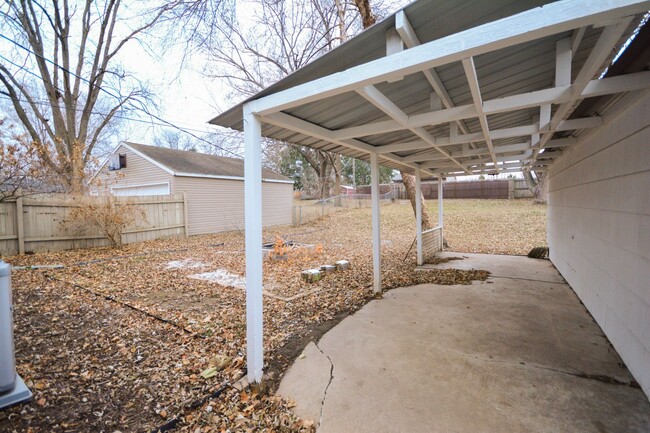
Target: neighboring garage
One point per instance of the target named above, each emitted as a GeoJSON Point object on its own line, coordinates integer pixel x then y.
{"type": "Point", "coordinates": [213, 185]}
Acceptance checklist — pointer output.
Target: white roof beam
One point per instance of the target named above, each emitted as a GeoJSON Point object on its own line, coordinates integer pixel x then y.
{"type": "Point", "coordinates": [380, 101]}
{"type": "Point", "coordinates": [550, 19]}
{"type": "Point", "coordinates": [472, 79]}
{"type": "Point", "coordinates": [406, 32]}
{"type": "Point", "coordinates": [518, 131]}
{"type": "Point", "coordinates": [561, 142]}
{"type": "Point", "coordinates": [599, 54]}
{"type": "Point", "coordinates": [292, 123]}
{"type": "Point", "coordinates": [563, 57]}
{"type": "Point", "coordinates": [556, 95]}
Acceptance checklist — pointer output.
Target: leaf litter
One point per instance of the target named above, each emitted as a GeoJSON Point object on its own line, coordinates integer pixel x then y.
{"type": "Point", "coordinates": [97, 365]}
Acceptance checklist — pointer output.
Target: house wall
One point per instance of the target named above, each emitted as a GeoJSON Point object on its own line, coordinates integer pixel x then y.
{"type": "Point", "coordinates": [599, 229]}
{"type": "Point", "coordinates": [216, 205]}
{"type": "Point", "coordinates": [138, 171]}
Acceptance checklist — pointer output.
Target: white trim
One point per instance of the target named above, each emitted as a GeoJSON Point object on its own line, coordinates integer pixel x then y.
{"type": "Point", "coordinates": [139, 185]}
{"type": "Point", "coordinates": [214, 176]}
{"type": "Point", "coordinates": [533, 24]}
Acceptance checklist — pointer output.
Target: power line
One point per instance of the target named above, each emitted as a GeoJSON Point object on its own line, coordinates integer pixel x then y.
{"type": "Point", "coordinates": [162, 121]}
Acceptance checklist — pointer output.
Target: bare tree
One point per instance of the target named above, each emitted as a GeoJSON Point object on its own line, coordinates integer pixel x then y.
{"type": "Point", "coordinates": [21, 171]}
{"type": "Point", "coordinates": [63, 77]}
{"type": "Point", "coordinates": [282, 37]}
{"type": "Point", "coordinates": [368, 18]}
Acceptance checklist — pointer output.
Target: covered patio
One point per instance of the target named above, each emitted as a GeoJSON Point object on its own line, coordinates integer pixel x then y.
{"type": "Point", "coordinates": [515, 353]}
{"type": "Point", "coordinates": [441, 88]}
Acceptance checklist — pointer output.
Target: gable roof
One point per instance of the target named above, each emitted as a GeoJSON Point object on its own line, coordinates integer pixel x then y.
{"type": "Point", "coordinates": [194, 164]}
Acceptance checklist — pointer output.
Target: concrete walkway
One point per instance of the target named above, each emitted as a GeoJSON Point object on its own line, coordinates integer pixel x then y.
{"type": "Point", "coordinates": [516, 353]}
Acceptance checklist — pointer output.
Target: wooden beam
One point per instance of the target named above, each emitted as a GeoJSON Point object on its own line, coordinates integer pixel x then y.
{"type": "Point", "coordinates": [599, 54]}
{"type": "Point", "coordinates": [380, 101]}
{"type": "Point", "coordinates": [292, 123]}
{"type": "Point", "coordinates": [555, 95]}
{"type": "Point", "coordinates": [406, 32]}
{"type": "Point", "coordinates": [472, 80]}
{"type": "Point", "coordinates": [553, 18]}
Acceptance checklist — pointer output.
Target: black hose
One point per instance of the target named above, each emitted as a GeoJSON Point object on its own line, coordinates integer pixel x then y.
{"type": "Point", "coordinates": [173, 423]}
{"type": "Point", "coordinates": [124, 304]}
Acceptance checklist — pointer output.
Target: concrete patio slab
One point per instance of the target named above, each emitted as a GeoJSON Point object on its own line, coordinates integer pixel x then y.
{"type": "Point", "coordinates": [516, 353]}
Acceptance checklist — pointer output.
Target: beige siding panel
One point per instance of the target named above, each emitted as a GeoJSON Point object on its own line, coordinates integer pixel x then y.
{"type": "Point", "coordinates": [277, 202]}
{"type": "Point", "coordinates": [138, 171]}
{"type": "Point", "coordinates": [599, 230]}
{"type": "Point", "coordinates": [217, 205]}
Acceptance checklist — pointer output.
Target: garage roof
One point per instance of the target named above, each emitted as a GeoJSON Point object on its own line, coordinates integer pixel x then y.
{"type": "Point", "coordinates": [469, 86]}
{"type": "Point", "coordinates": [194, 164]}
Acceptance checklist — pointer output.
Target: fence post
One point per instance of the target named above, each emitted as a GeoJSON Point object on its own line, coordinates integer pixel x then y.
{"type": "Point", "coordinates": [187, 227]}
{"type": "Point", "coordinates": [20, 225]}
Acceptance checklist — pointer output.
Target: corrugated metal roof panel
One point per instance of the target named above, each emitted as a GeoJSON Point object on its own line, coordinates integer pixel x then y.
{"type": "Point", "coordinates": [515, 70]}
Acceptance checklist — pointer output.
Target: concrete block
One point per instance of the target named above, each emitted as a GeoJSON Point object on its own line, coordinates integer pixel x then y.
{"type": "Point", "coordinates": [311, 275]}
{"type": "Point", "coordinates": [328, 268]}
{"type": "Point", "coordinates": [342, 265]}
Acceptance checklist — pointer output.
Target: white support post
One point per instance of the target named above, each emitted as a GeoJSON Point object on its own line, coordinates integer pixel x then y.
{"type": "Point", "coordinates": [376, 235]}
{"type": "Point", "coordinates": [253, 224]}
{"type": "Point", "coordinates": [418, 215]}
{"type": "Point", "coordinates": [440, 207]}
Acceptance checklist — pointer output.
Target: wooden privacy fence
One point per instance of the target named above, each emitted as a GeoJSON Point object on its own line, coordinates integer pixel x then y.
{"type": "Point", "coordinates": [35, 224]}
{"type": "Point", "coordinates": [484, 189]}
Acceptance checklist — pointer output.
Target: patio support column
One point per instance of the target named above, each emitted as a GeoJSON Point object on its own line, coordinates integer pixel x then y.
{"type": "Point", "coordinates": [253, 225]}
{"type": "Point", "coordinates": [440, 213]}
{"type": "Point", "coordinates": [418, 215]}
{"type": "Point", "coordinates": [376, 235]}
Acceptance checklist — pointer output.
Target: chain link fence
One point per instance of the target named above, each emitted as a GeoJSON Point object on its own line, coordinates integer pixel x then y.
{"type": "Point", "coordinates": [304, 213]}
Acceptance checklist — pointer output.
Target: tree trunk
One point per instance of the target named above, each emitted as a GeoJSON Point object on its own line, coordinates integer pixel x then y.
{"type": "Point", "coordinates": [409, 186]}
{"type": "Point", "coordinates": [538, 185]}
{"type": "Point", "coordinates": [541, 192]}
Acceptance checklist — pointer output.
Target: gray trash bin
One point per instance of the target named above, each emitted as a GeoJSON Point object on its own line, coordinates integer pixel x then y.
{"type": "Point", "coordinates": [7, 360]}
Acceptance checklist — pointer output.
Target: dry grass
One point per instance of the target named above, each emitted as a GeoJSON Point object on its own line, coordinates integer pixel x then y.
{"type": "Point", "coordinates": [493, 226]}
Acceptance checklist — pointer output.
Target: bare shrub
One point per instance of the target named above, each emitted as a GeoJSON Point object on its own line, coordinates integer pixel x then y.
{"type": "Point", "coordinates": [105, 215]}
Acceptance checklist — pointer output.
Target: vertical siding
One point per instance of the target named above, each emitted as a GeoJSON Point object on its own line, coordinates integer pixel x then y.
{"type": "Point", "coordinates": [216, 205]}
{"type": "Point", "coordinates": [138, 171]}
{"type": "Point", "coordinates": [599, 229]}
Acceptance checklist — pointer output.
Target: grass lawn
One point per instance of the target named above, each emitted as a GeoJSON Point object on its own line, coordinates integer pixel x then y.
{"type": "Point", "coordinates": [117, 339]}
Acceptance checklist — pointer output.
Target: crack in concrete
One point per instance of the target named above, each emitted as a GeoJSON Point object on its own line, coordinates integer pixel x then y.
{"type": "Point", "coordinates": [526, 279]}
{"type": "Point", "coordinates": [322, 403]}
{"type": "Point", "coordinates": [609, 380]}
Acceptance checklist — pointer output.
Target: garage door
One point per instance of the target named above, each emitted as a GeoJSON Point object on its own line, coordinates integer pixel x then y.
{"type": "Point", "coordinates": [140, 190]}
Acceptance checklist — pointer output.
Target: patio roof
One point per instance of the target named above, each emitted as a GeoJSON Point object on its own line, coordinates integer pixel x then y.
{"type": "Point", "coordinates": [441, 87]}
{"type": "Point", "coordinates": [461, 89]}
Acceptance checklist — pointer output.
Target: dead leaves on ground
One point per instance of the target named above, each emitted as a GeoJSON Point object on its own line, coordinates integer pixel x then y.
{"type": "Point", "coordinates": [94, 364]}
